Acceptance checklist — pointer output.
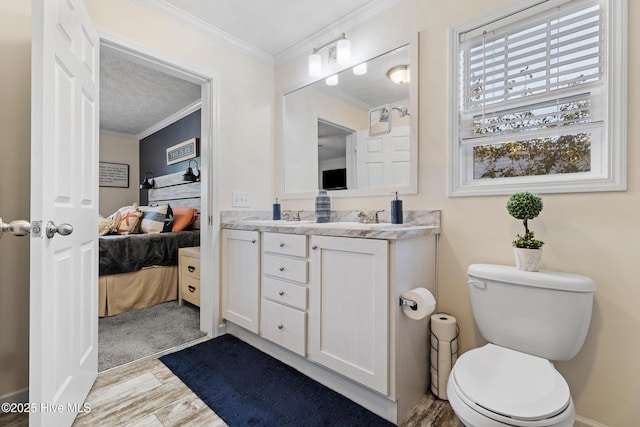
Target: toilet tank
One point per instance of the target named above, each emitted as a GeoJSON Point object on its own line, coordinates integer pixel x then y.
{"type": "Point", "coordinates": [543, 313]}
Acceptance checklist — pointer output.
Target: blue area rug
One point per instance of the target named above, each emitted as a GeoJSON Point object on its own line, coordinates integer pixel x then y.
{"type": "Point", "coordinates": [247, 387]}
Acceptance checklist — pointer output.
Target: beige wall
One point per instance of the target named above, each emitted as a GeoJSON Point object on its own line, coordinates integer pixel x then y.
{"type": "Point", "coordinates": [120, 149]}
{"type": "Point", "coordinates": [593, 234]}
{"type": "Point", "coordinates": [15, 104]}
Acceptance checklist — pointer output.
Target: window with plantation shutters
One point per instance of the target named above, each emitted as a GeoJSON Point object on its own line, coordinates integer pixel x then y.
{"type": "Point", "coordinates": [535, 102]}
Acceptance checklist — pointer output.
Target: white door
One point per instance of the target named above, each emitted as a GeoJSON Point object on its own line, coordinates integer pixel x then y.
{"type": "Point", "coordinates": [384, 161]}
{"type": "Point", "coordinates": [63, 336]}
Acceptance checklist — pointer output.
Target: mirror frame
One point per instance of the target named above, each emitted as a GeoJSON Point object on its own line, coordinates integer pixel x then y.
{"type": "Point", "coordinates": [412, 188]}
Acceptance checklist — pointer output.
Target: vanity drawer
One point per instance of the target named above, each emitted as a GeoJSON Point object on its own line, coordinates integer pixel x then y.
{"type": "Point", "coordinates": [285, 244]}
{"type": "Point", "coordinates": [285, 293]}
{"type": "Point", "coordinates": [285, 268]}
{"type": "Point", "coordinates": [284, 326]}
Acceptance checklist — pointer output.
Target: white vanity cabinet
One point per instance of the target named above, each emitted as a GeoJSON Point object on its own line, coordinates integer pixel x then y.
{"type": "Point", "coordinates": [349, 308]}
{"type": "Point", "coordinates": [241, 278]}
{"type": "Point", "coordinates": [283, 316]}
{"type": "Point", "coordinates": [327, 301]}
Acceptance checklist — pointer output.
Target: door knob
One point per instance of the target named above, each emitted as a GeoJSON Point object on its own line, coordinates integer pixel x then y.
{"type": "Point", "coordinates": [62, 229]}
{"type": "Point", "coordinates": [18, 227]}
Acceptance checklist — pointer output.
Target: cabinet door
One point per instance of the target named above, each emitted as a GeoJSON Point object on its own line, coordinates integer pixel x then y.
{"type": "Point", "coordinates": [349, 309]}
{"type": "Point", "coordinates": [241, 278]}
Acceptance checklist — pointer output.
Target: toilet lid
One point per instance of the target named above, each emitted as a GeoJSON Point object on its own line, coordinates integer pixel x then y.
{"type": "Point", "coordinates": [511, 383]}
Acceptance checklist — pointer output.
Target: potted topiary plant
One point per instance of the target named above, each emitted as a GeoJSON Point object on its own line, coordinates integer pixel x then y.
{"type": "Point", "coordinates": [525, 206]}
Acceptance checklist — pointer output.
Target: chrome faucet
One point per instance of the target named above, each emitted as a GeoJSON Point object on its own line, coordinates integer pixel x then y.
{"type": "Point", "coordinates": [367, 219]}
{"type": "Point", "coordinates": [287, 216]}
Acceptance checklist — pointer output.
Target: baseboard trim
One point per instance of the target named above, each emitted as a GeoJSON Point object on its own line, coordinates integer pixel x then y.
{"type": "Point", "coordinates": [20, 396]}
{"type": "Point", "coordinates": [586, 422]}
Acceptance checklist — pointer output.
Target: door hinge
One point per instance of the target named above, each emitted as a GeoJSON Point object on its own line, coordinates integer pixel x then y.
{"type": "Point", "coordinates": [210, 219]}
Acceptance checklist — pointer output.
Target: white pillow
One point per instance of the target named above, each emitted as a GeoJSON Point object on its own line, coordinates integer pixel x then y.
{"type": "Point", "coordinates": [153, 218]}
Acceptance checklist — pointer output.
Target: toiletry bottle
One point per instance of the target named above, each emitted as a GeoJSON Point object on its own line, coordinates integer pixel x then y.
{"type": "Point", "coordinates": [276, 210]}
{"type": "Point", "coordinates": [323, 206]}
{"type": "Point", "coordinates": [396, 211]}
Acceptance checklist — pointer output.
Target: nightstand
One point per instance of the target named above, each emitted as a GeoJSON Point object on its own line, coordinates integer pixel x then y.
{"type": "Point", "coordinates": [189, 275]}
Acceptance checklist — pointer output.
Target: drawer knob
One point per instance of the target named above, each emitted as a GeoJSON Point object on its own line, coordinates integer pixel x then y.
{"type": "Point", "coordinates": [191, 269]}
{"type": "Point", "coordinates": [280, 326]}
{"type": "Point", "coordinates": [253, 241]}
{"type": "Point", "coordinates": [314, 247]}
{"type": "Point", "coordinates": [281, 293]}
{"type": "Point", "coordinates": [281, 268]}
{"type": "Point", "coordinates": [191, 288]}
{"type": "Point", "coordinates": [282, 244]}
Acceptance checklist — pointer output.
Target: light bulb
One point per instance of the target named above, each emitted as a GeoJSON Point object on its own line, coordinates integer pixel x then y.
{"type": "Point", "coordinates": [331, 80]}
{"type": "Point", "coordinates": [360, 69]}
{"type": "Point", "coordinates": [315, 65]}
{"type": "Point", "coordinates": [343, 55]}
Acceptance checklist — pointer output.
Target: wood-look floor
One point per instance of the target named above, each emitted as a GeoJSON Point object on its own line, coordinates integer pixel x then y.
{"type": "Point", "coordinates": [147, 393]}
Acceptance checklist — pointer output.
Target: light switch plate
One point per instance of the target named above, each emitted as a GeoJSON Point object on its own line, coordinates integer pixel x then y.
{"type": "Point", "coordinates": [240, 199]}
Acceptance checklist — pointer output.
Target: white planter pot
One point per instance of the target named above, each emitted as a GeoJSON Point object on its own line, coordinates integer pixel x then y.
{"type": "Point", "coordinates": [528, 259]}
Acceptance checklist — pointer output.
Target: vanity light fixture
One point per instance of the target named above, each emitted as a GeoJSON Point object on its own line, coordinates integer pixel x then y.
{"type": "Point", "coordinates": [331, 80]}
{"type": "Point", "coordinates": [360, 69]}
{"type": "Point", "coordinates": [189, 176]}
{"type": "Point", "coordinates": [146, 184]}
{"type": "Point", "coordinates": [339, 52]}
{"type": "Point", "coordinates": [399, 74]}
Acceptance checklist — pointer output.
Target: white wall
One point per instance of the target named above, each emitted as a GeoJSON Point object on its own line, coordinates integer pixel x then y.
{"type": "Point", "coordinates": [120, 149]}
{"type": "Point", "coordinates": [15, 122]}
{"type": "Point", "coordinates": [594, 234]}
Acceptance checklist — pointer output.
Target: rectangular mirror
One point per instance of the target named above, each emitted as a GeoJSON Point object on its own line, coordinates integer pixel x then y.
{"type": "Point", "coordinates": [356, 137]}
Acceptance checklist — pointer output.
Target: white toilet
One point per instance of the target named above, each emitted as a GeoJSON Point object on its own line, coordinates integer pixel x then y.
{"type": "Point", "coordinates": [529, 319]}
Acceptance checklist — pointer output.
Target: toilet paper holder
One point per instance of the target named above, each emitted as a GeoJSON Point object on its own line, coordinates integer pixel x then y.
{"type": "Point", "coordinates": [408, 302]}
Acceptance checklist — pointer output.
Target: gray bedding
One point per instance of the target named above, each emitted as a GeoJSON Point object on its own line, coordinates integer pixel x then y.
{"type": "Point", "coordinates": [124, 254]}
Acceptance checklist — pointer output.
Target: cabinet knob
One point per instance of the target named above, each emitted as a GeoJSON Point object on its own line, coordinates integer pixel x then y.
{"type": "Point", "coordinates": [281, 268]}
{"type": "Point", "coordinates": [282, 244]}
{"type": "Point", "coordinates": [314, 247]}
{"type": "Point", "coordinates": [253, 241]}
{"type": "Point", "coordinates": [280, 326]}
{"type": "Point", "coordinates": [281, 293]}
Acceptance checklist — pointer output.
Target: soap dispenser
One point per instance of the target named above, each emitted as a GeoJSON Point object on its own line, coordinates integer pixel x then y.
{"type": "Point", "coordinates": [396, 210]}
{"type": "Point", "coordinates": [276, 210]}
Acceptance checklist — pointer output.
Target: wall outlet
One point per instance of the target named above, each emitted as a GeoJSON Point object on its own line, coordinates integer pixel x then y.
{"type": "Point", "coordinates": [240, 199]}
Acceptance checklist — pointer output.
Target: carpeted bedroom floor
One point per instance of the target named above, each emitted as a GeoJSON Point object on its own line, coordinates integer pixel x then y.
{"type": "Point", "coordinates": [129, 336]}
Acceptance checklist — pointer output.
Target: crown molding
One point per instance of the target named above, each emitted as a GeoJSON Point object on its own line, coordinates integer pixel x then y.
{"type": "Point", "coordinates": [178, 15]}
{"type": "Point", "coordinates": [169, 120]}
{"type": "Point", "coordinates": [342, 25]}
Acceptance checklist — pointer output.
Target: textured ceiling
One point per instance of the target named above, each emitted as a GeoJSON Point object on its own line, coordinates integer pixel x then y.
{"type": "Point", "coordinates": [134, 98]}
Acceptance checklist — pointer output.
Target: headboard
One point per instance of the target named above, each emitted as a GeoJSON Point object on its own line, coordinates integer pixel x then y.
{"type": "Point", "coordinates": [171, 189]}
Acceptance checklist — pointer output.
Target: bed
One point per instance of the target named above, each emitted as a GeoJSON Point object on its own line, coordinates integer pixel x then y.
{"type": "Point", "coordinates": [141, 270]}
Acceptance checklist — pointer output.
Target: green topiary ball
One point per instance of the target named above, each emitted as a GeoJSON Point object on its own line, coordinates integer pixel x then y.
{"type": "Point", "coordinates": [524, 205]}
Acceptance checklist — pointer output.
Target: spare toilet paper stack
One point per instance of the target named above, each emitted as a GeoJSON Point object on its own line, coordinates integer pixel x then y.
{"type": "Point", "coordinates": [444, 351]}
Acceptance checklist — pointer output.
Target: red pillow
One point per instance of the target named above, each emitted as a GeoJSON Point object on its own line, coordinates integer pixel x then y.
{"type": "Point", "coordinates": [183, 218]}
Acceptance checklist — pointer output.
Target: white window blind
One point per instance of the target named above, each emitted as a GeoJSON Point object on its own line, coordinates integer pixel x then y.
{"type": "Point", "coordinates": [533, 77]}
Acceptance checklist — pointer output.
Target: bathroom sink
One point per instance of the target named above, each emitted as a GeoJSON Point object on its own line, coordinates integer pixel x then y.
{"type": "Point", "coordinates": [360, 225]}
{"type": "Point", "coordinates": [276, 222]}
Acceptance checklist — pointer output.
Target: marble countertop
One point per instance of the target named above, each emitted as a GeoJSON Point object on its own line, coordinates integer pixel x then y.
{"type": "Point", "coordinates": [344, 228]}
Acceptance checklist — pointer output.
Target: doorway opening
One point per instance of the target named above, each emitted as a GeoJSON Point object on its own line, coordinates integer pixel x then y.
{"type": "Point", "coordinates": [196, 321]}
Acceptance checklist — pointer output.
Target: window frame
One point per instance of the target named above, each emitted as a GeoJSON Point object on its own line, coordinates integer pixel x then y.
{"type": "Point", "coordinates": [612, 161]}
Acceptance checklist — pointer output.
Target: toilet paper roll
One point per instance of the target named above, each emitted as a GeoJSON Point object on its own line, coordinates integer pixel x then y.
{"type": "Point", "coordinates": [444, 332]}
{"type": "Point", "coordinates": [426, 303]}
{"type": "Point", "coordinates": [444, 326]}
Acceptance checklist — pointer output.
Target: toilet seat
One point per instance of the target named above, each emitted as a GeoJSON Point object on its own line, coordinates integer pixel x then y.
{"type": "Point", "coordinates": [504, 384]}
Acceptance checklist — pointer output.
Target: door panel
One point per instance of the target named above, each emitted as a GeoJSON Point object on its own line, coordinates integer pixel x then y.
{"type": "Point", "coordinates": [64, 166]}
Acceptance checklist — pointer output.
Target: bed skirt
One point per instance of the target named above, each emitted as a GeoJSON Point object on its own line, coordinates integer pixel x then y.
{"type": "Point", "coordinates": [118, 293]}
